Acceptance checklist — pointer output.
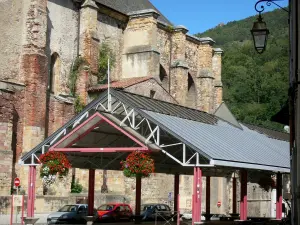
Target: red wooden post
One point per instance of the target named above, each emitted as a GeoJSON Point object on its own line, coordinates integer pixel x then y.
{"type": "Point", "coordinates": [207, 198]}
{"type": "Point", "coordinates": [91, 193]}
{"type": "Point", "coordinates": [234, 195]}
{"type": "Point", "coordinates": [279, 196]}
{"type": "Point", "coordinates": [31, 191]}
{"type": "Point", "coordinates": [197, 192]}
{"type": "Point", "coordinates": [243, 203]}
{"type": "Point", "coordinates": [176, 191]}
{"type": "Point", "coordinates": [138, 190]}
{"type": "Point", "coordinates": [12, 209]}
{"type": "Point", "coordinates": [22, 221]}
{"type": "Point", "coordinates": [178, 210]}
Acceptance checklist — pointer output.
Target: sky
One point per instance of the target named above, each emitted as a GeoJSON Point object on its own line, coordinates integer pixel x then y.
{"type": "Point", "coordinates": [201, 15]}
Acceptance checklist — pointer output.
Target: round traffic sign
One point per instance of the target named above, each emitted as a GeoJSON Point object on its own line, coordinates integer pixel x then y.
{"type": "Point", "coordinates": [219, 204]}
{"type": "Point", "coordinates": [17, 182]}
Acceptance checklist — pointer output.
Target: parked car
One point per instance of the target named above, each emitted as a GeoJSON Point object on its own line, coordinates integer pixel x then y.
{"type": "Point", "coordinates": [114, 212]}
{"type": "Point", "coordinates": [151, 211]}
{"type": "Point", "coordinates": [218, 217]}
{"type": "Point", "coordinates": [69, 214]}
{"type": "Point", "coordinates": [188, 216]}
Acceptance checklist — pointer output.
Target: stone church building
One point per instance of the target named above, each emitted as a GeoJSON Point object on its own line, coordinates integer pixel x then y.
{"type": "Point", "coordinates": [51, 47]}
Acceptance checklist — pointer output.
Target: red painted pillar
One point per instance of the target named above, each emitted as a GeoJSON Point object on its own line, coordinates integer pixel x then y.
{"type": "Point", "coordinates": [234, 195]}
{"type": "Point", "coordinates": [243, 203]}
{"type": "Point", "coordinates": [176, 191]}
{"type": "Point", "coordinates": [138, 190]}
{"type": "Point", "coordinates": [91, 191]}
{"type": "Point", "coordinates": [31, 191]}
{"type": "Point", "coordinates": [207, 198]}
{"type": "Point", "coordinates": [197, 192]}
{"type": "Point", "coordinates": [279, 196]}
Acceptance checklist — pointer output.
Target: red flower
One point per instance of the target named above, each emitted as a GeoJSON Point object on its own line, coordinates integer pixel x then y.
{"type": "Point", "coordinates": [138, 164]}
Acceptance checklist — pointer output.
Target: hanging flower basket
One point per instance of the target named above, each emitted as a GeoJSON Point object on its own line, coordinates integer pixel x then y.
{"type": "Point", "coordinates": [138, 164]}
{"type": "Point", "coordinates": [53, 164]}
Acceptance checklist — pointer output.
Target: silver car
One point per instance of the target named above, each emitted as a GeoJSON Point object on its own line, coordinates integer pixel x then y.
{"type": "Point", "coordinates": [69, 214]}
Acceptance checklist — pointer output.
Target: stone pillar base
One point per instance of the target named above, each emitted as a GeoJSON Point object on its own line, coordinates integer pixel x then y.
{"type": "Point", "coordinates": [30, 220]}
{"type": "Point", "coordinates": [89, 220]}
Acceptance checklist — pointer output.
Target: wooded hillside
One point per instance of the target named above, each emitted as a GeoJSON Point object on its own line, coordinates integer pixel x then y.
{"type": "Point", "coordinates": [255, 85]}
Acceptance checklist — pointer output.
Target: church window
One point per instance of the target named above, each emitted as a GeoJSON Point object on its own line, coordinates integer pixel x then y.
{"type": "Point", "coordinates": [152, 93]}
{"type": "Point", "coordinates": [55, 65]}
{"type": "Point", "coordinates": [191, 98]}
{"type": "Point", "coordinates": [163, 77]}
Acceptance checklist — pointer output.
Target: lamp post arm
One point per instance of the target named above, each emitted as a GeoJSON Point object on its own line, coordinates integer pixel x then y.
{"type": "Point", "coordinates": [268, 3]}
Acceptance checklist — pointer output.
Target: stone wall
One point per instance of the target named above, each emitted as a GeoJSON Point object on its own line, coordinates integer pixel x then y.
{"type": "Point", "coordinates": [164, 48]}
{"type": "Point", "coordinates": [191, 56]}
{"type": "Point", "coordinates": [110, 30]}
{"type": "Point", "coordinates": [11, 130]}
{"type": "Point", "coordinates": [12, 17]}
{"type": "Point", "coordinates": [62, 38]}
{"type": "Point", "coordinates": [146, 87]}
{"type": "Point", "coordinates": [60, 112]}
{"type": "Point", "coordinates": [140, 56]}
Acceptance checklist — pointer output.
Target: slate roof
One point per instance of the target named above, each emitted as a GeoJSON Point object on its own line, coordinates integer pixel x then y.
{"type": "Point", "coordinates": [158, 106]}
{"type": "Point", "coordinates": [126, 6]}
{"type": "Point", "coordinates": [226, 144]}
{"type": "Point", "coordinates": [270, 133]}
{"type": "Point", "coordinates": [120, 84]}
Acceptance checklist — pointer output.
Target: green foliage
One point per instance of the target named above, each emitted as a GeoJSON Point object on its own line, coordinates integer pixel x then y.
{"type": "Point", "coordinates": [78, 105]}
{"type": "Point", "coordinates": [79, 61]}
{"type": "Point", "coordinates": [170, 28]}
{"type": "Point", "coordinates": [105, 53]}
{"type": "Point", "coordinates": [255, 86]}
{"type": "Point", "coordinates": [76, 187]}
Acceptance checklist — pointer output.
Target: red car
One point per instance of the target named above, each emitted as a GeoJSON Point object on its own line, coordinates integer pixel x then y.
{"type": "Point", "coordinates": [114, 212]}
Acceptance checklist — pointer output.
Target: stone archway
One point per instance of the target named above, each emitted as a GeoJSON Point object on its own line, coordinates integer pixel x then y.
{"type": "Point", "coordinates": [163, 76]}
{"type": "Point", "coordinates": [191, 97]}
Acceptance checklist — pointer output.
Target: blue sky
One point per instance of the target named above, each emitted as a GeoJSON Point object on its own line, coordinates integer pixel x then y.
{"type": "Point", "coordinates": [201, 15]}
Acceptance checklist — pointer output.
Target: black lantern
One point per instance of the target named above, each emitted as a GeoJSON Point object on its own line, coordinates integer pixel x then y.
{"type": "Point", "coordinates": [260, 35]}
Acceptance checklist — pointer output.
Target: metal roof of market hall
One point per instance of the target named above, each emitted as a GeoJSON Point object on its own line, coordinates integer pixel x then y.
{"type": "Point", "coordinates": [217, 142]}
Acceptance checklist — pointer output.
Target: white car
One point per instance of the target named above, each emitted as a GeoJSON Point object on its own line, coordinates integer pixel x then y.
{"type": "Point", "coordinates": [188, 216]}
{"type": "Point", "coordinates": [69, 214]}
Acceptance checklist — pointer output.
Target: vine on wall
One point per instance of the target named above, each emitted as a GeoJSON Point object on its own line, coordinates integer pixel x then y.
{"type": "Point", "coordinates": [78, 62]}
{"type": "Point", "coordinates": [78, 105]}
{"type": "Point", "coordinates": [105, 53]}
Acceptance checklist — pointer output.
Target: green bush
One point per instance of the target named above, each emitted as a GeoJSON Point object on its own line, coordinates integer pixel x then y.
{"type": "Point", "coordinates": [76, 187]}
{"type": "Point", "coordinates": [105, 53]}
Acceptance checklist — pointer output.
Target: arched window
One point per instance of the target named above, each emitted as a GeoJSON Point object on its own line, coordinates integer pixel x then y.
{"type": "Point", "coordinates": [191, 98]}
{"type": "Point", "coordinates": [163, 77]}
{"type": "Point", "coordinates": [54, 73]}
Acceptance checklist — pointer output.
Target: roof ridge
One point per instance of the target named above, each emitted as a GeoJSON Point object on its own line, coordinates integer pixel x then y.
{"type": "Point", "coordinates": [271, 129]}
{"type": "Point", "coordinates": [170, 103]}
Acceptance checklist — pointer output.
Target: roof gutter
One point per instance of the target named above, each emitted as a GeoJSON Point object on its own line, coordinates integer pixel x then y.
{"type": "Point", "coordinates": [217, 162]}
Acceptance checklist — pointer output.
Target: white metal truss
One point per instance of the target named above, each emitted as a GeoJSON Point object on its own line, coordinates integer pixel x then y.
{"type": "Point", "coordinates": [129, 117]}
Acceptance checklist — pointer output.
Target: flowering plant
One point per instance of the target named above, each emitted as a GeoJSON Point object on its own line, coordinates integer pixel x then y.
{"type": "Point", "coordinates": [138, 164]}
{"type": "Point", "coordinates": [54, 163]}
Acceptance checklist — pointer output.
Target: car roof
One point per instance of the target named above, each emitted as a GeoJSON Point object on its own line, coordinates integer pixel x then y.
{"type": "Point", "coordinates": [113, 203]}
{"type": "Point", "coordinates": [153, 204]}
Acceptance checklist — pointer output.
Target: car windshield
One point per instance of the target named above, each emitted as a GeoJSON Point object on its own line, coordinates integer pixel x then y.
{"type": "Point", "coordinates": [147, 207]}
{"type": "Point", "coordinates": [106, 207]}
{"type": "Point", "coordinates": [68, 208]}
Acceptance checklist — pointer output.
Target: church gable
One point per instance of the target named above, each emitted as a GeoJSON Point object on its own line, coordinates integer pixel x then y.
{"type": "Point", "coordinates": [146, 86]}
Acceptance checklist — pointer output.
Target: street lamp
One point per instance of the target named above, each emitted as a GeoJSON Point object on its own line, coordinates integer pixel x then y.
{"type": "Point", "coordinates": [260, 34]}
{"type": "Point", "coordinates": [259, 30]}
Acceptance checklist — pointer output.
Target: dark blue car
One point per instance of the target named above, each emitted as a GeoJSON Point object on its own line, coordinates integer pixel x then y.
{"type": "Point", "coordinates": [155, 210]}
